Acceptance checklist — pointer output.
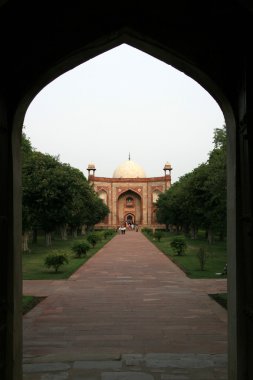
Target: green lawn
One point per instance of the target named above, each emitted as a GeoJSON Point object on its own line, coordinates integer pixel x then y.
{"type": "Point", "coordinates": [221, 298]}
{"type": "Point", "coordinates": [33, 262]}
{"type": "Point", "coordinates": [34, 269]}
{"type": "Point", "coordinates": [28, 302]}
{"type": "Point", "coordinates": [189, 263]}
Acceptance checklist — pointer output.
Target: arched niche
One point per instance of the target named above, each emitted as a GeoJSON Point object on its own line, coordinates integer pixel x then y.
{"type": "Point", "coordinates": [102, 194]}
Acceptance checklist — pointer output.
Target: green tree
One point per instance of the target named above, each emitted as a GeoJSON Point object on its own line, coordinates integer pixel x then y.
{"type": "Point", "coordinates": [77, 204]}
{"type": "Point", "coordinates": [55, 260]}
{"type": "Point", "coordinates": [202, 256]}
{"type": "Point", "coordinates": [26, 147]}
{"type": "Point", "coordinates": [179, 245]}
{"type": "Point", "coordinates": [81, 248]}
{"type": "Point", "coordinates": [172, 206]}
{"type": "Point", "coordinates": [27, 215]}
{"type": "Point", "coordinates": [93, 238]}
{"type": "Point", "coordinates": [197, 195]}
{"type": "Point", "coordinates": [96, 210]}
{"type": "Point", "coordinates": [217, 185]}
{"type": "Point", "coordinates": [43, 191]}
{"type": "Point", "coordinates": [56, 195]}
{"type": "Point", "coordinates": [198, 199]}
{"type": "Point", "coordinates": [158, 235]}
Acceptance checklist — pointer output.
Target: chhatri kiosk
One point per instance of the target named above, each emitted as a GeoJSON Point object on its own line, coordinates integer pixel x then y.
{"type": "Point", "coordinates": [129, 194]}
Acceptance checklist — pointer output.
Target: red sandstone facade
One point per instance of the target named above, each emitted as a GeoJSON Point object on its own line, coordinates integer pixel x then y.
{"type": "Point", "coordinates": [130, 199]}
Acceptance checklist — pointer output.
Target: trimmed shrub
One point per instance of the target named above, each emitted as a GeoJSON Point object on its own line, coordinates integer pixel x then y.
{"type": "Point", "coordinates": [81, 248]}
{"type": "Point", "coordinates": [56, 260]}
{"type": "Point", "coordinates": [158, 235]}
{"type": "Point", "coordinates": [202, 256]}
{"type": "Point", "coordinates": [93, 238]}
{"type": "Point", "coordinates": [147, 231]}
{"type": "Point", "coordinates": [100, 235]}
{"type": "Point", "coordinates": [108, 233]}
{"type": "Point", "coordinates": [179, 245]}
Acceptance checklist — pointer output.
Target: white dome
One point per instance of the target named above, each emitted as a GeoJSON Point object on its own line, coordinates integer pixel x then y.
{"type": "Point", "coordinates": [129, 169]}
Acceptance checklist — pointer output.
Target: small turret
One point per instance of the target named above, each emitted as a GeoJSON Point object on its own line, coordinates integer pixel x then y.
{"type": "Point", "coordinates": [167, 177]}
{"type": "Point", "coordinates": [167, 167]}
{"type": "Point", "coordinates": [91, 169]}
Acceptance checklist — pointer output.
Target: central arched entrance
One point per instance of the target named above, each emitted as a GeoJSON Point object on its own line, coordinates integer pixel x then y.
{"type": "Point", "coordinates": [129, 218]}
{"type": "Point", "coordinates": [129, 208]}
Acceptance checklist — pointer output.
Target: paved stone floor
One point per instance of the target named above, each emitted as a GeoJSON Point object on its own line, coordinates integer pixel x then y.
{"type": "Point", "coordinates": [128, 313]}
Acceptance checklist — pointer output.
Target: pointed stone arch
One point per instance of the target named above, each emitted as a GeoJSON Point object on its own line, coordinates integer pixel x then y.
{"type": "Point", "coordinates": [219, 58]}
{"type": "Point", "coordinates": [155, 194]}
{"type": "Point", "coordinates": [133, 208]}
{"type": "Point", "coordinates": [133, 39]}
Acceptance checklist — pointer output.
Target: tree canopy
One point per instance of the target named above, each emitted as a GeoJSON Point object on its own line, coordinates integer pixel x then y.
{"type": "Point", "coordinates": [198, 199]}
{"type": "Point", "coordinates": [56, 194]}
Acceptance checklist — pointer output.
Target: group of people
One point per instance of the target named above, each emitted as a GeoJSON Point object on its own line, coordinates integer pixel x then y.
{"type": "Point", "coordinates": [130, 226]}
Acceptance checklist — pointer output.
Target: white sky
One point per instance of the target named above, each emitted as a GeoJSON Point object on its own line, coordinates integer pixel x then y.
{"type": "Point", "coordinates": [125, 101]}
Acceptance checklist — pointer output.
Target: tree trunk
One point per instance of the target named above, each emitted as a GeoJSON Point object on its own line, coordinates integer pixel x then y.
{"type": "Point", "coordinates": [186, 229]}
{"type": "Point", "coordinates": [193, 233]}
{"type": "Point", "coordinates": [74, 232]}
{"type": "Point", "coordinates": [35, 235]}
{"type": "Point", "coordinates": [25, 239]}
{"type": "Point", "coordinates": [210, 236]}
{"type": "Point", "coordinates": [63, 231]}
{"type": "Point", "coordinates": [48, 239]}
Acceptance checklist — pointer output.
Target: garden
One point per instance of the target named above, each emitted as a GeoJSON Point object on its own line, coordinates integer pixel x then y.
{"type": "Point", "coordinates": [196, 257]}
{"type": "Point", "coordinates": [60, 260]}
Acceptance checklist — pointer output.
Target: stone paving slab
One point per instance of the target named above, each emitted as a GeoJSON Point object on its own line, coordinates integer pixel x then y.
{"type": "Point", "coordinates": [127, 299]}
{"type": "Point", "coordinates": [135, 367]}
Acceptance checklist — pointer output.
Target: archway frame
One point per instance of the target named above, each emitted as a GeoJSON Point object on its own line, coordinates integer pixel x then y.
{"type": "Point", "coordinates": [90, 51]}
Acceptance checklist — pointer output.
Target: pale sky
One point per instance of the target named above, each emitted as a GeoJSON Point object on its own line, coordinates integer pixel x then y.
{"type": "Point", "coordinates": [125, 101]}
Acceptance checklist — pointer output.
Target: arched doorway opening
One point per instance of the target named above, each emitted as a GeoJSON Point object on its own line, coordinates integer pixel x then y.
{"type": "Point", "coordinates": [129, 208]}
{"type": "Point", "coordinates": [129, 218]}
{"type": "Point", "coordinates": [131, 201]}
{"type": "Point", "coordinates": [194, 72]}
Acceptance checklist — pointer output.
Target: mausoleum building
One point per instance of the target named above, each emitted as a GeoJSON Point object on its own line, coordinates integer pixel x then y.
{"type": "Point", "coordinates": [130, 195]}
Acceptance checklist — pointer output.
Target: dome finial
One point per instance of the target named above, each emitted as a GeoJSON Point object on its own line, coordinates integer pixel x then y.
{"type": "Point", "coordinates": [129, 156]}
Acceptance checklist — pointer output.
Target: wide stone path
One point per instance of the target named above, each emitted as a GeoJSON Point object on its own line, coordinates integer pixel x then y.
{"type": "Point", "coordinates": [128, 313]}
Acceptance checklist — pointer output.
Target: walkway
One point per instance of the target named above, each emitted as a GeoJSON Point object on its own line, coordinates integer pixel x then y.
{"type": "Point", "coordinates": [128, 313]}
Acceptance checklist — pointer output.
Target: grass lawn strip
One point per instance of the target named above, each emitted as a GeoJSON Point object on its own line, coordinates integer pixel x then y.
{"type": "Point", "coordinates": [34, 269]}
{"type": "Point", "coordinates": [33, 262]}
{"type": "Point", "coordinates": [217, 257]}
{"type": "Point", "coordinates": [221, 298]}
{"type": "Point", "coordinates": [29, 302]}
{"type": "Point", "coordinates": [189, 263]}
